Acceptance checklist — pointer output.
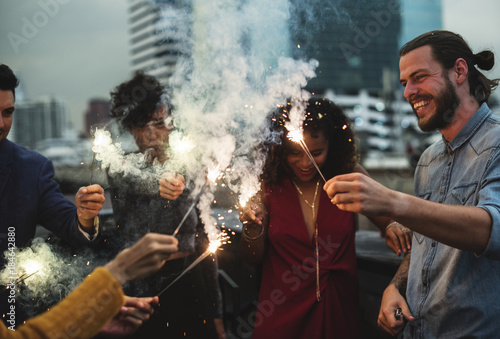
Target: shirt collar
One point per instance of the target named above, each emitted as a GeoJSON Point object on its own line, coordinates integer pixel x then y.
{"type": "Point", "coordinates": [470, 128]}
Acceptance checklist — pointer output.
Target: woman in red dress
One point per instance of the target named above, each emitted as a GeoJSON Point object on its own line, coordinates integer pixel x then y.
{"type": "Point", "coordinates": [309, 286]}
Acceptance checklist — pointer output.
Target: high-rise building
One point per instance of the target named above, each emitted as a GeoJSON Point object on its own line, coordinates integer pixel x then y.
{"type": "Point", "coordinates": [38, 120]}
{"type": "Point", "coordinates": [97, 114]}
{"type": "Point", "coordinates": [154, 44]}
{"type": "Point", "coordinates": [355, 42]}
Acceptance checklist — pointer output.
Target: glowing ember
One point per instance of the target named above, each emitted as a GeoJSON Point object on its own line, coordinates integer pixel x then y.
{"type": "Point", "coordinates": [180, 144]}
{"type": "Point", "coordinates": [212, 248]}
{"type": "Point", "coordinates": [101, 138]}
{"type": "Point", "coordinates": [31, 266]}
{"type": "Point", "coordinates": [295, 135]}
{"type": "Point", "coordinates": [214, 174]}
{"type": "Point", "coordinates": [214, 245]}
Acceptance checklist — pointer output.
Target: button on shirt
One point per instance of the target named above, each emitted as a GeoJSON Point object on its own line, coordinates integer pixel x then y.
{"type": "Point", "coordinates": [454, 293]}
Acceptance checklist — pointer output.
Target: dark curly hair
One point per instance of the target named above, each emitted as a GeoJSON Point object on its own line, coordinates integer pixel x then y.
{"type": "Point", "coordinates": [321, 115]}
{"type": "Point", "coordinates": [135, 101]}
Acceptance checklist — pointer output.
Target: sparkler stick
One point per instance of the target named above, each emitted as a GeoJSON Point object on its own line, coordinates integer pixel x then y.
{"type": "Point", "coordinates": [94, 160]}
{"type": "Point", "coordinates": [212, 175]}
{"type": "Point", "coordinates": [296, 135]}
{"type": "Point", "coordinates": [22, 277]}
{"type": "Point", "coordinates": [193, 264]}
{"type": "Point", "coordinates": [100, 139]}
{"type": "Point", "coordinates": [190, 209]}
{"type": "Point", "coordinates": [212, 248]}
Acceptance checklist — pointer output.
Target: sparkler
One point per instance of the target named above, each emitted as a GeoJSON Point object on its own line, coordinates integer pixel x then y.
{"type": "Point", "coordinates": [212, 248]}
{"type": "Point", "coordinates": [93, 167]}
{"type": "Point", "coordinates": [20, 279]}
{"type": "Point", "coordinates": [212, 176]}
{"type": "Point", "coordinates": [30, 268]}
{"type": "Point", "coordinates": [296, 136]}
{"type": "Point", "coordinates": [100, 139]}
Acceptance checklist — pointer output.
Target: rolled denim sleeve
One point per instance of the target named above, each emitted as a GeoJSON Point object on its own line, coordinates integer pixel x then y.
{"type": "Point", "coordinates": [489, 200]}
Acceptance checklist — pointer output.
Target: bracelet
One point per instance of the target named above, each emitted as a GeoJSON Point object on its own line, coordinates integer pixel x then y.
{"type": "Point", "coordinates": [394, 222]}
{"type": "Point", "coordinates": [248, 237]}
{"type": "Point", "coordinates": [402, 228]}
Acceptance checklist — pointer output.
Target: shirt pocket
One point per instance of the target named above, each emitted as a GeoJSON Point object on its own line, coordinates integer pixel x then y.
{"type": "Point", "coordinates": [464, 194]}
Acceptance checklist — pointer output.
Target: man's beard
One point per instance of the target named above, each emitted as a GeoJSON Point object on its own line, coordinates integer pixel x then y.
{"type": "Point", "coordinates": [446, 102]}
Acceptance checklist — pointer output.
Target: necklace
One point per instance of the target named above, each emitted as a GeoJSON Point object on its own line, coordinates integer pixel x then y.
{"type": "Point", "coordinates": [316, 250]}
{"type": "Point", "coordinates": [313, 205]}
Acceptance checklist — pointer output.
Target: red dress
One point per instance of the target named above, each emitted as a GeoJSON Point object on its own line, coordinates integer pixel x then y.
{"type": "Point", "coordinates": [287, 306]}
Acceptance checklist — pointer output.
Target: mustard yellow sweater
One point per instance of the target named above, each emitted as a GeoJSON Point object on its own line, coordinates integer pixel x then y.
{"type": "Point", "coordinates": [80, 315]}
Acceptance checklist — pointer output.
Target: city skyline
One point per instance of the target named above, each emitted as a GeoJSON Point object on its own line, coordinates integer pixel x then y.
{"type": "Point", "coordinates": [78, 51]}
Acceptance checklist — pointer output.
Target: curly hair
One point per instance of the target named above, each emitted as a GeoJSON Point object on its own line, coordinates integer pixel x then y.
{"type": "Point", "coordinates": [135, 101]}
{"type": "Point", "coordinates": [321, 115]}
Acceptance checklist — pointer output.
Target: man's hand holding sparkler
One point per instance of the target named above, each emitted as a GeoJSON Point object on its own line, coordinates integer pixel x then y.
{"type": "Point", "coordinates": [356, 192]}
{"type": "Point", "coordinates": [89, 201]}
{"type": "Point", "coordinates": [171, 185]}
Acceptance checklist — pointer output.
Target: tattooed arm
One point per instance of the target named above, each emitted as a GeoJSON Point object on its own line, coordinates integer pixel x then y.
{"type": "Point", "coordinates": [400, 280]}
{"type": "Point", "coordinates": [393, 299]}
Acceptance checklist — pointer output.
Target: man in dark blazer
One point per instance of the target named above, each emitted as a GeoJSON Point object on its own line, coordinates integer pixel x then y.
{"type": "Point", "coordinates": [29, 196]}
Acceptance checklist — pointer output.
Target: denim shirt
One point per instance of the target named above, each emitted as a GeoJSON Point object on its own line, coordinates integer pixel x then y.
{"type": "Point", "coordinates": [454, 293]}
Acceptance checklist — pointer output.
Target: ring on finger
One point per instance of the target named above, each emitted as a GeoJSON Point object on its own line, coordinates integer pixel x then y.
{"type": "Point", "coordinates": [398, 313]}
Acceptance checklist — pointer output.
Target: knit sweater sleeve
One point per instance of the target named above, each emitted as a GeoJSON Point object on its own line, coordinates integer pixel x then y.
{"type": "Point", "coordinates": [81, 314]}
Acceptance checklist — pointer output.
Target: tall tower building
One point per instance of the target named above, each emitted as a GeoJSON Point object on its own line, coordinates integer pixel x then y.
{"type": "Point", "coordinates": [154, 46]}
{"type": "Point", "coordinates": [355, 42]}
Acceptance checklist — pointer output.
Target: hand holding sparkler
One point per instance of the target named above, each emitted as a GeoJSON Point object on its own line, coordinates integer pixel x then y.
{"type": "Point", "coordinates": [254, 218]}
{"type": "Point", "coordinates": [253, 211]}
{"type": "Point", "coordinates": [89, 201]}
{"type": "Point", "coordinates": [171, 185]}
{"type": "Point", "coordinates": [147, 256]}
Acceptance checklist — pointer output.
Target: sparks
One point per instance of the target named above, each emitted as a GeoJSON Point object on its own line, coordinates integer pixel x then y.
{"type": "Point", "coordinates": [101, 138]}
{"type": "Point", "coordinates": [181, 144]}
{"type": "Point", "coordinates": [295, 135]}
{"type": "Point", "coordinates": [214, 174]}
{"type": "Point", "coordinates": [212, 248]}
{"type": "Point", "coordinates": [31, 266]}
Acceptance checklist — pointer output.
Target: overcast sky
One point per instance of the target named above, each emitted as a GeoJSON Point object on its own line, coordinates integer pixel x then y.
{"type": "Point", "coordinates": [77, 50]}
